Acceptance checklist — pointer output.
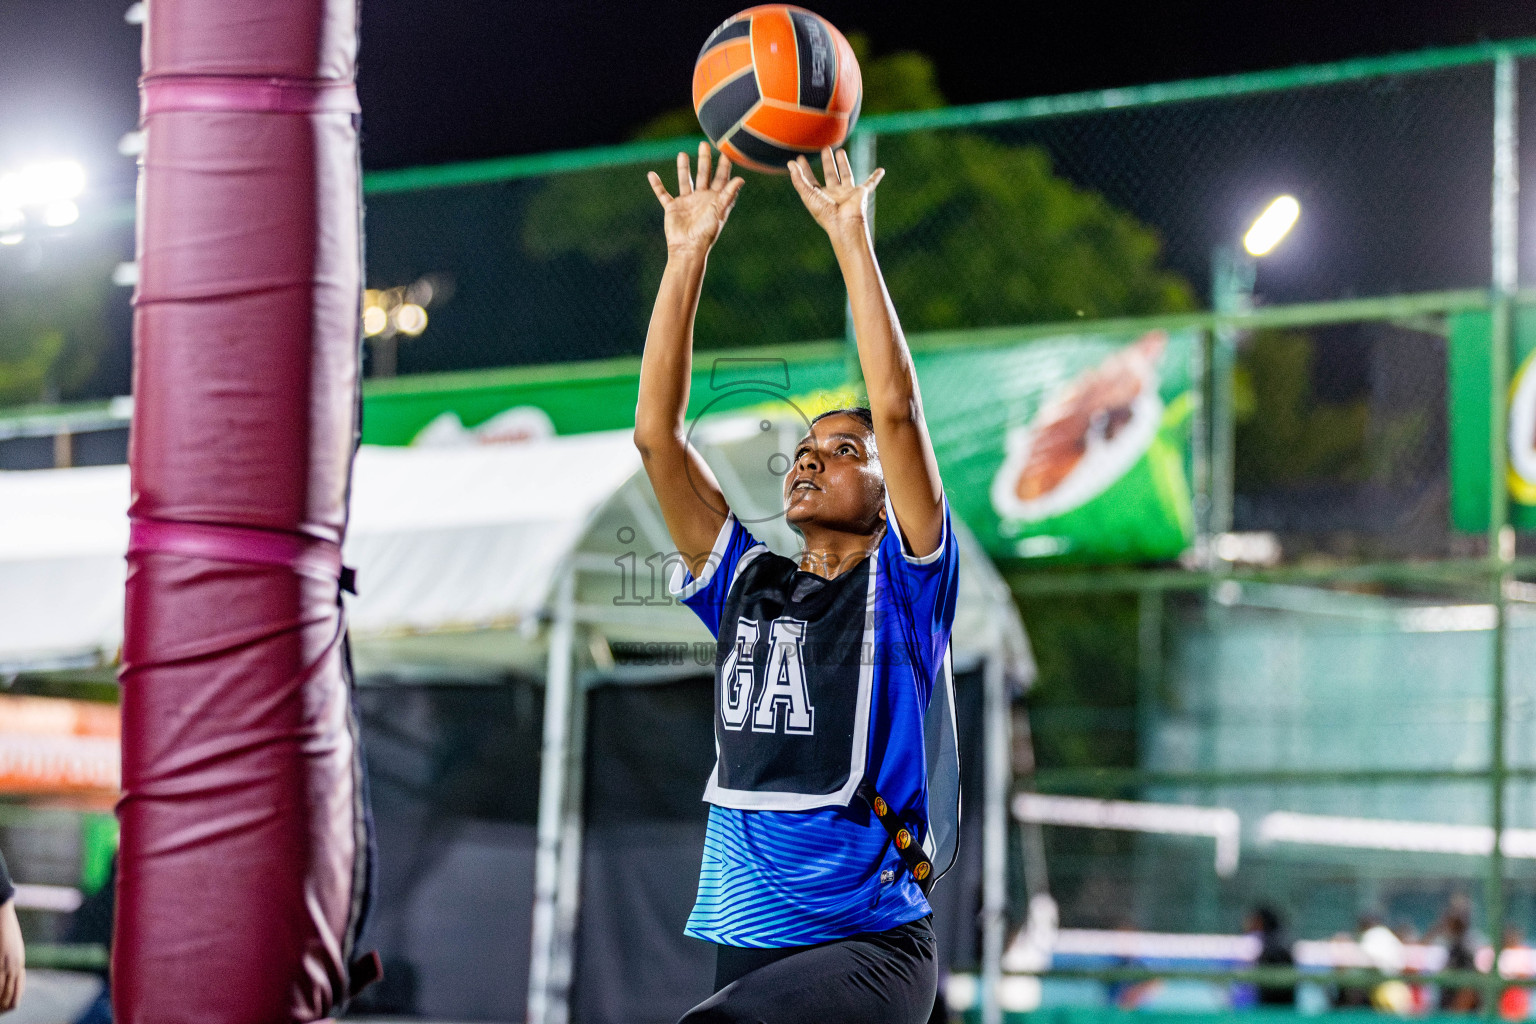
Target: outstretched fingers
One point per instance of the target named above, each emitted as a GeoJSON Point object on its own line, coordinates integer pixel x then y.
{"type": "Point", "coordinates": [800, 175]}
{"type": "Point", "coordinates": [845, 169]}
{"type": "Point", "coordinates": [728, 196]}
{"type": "Point", "coordinates": [704, 156]}
{"type": "Point", "coordinates": [662, 195]}
{"type": "Point", "coordinates": [684, 178]}
{"type": "Point", "coordinates": [830, 171]}
{"type": "Point", "coordinates": [873, 180]}
{"type": "Point", "coordinates": [722, 173]}
{"type": "Point", "coordinates": [804, 180]}
{"type": "Point", "coordinates": [808, 176]}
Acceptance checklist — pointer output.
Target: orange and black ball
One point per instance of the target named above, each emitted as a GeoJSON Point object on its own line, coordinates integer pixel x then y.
{"type": "Point", "coordinates": [774, 82]}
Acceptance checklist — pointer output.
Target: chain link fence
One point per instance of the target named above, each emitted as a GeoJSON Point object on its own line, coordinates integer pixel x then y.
{"type": "Point", "coordinates": [1083, 208]}
{"type": "Point", "coordinates": [1067, 211]}
{"type": "Point", "coordinates": [1358, 710]}
{"type": "Point", "coordinates": [1359, 706]}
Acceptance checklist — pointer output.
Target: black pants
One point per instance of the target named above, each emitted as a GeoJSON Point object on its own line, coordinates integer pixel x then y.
{"type": "Point", "coordinates": [887, 977]}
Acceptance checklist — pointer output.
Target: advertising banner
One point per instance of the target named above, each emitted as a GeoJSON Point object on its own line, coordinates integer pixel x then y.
{"type": "Point", "coordinates": [1069, 449]}
{"type": "Point", "coordinates": [52, 746]}
{"type": "Point", "coordinates": [1469, 385]}
{"type": "Point", "coordinates": [1073, 448]}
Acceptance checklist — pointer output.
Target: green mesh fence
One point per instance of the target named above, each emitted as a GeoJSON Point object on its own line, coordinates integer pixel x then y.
{"type": "Point", "coordinates": [1375, 675]}
{"type": "Point", "coordinates": [1090, 207]}
{"type": "Point", "coordinates": [1056, 213]}
{"type": "Point", "coordinates": [1348, 731]}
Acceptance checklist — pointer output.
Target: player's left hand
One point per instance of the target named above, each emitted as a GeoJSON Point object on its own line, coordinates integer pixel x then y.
{"type": "Point", "coordinates": [13, 957]}
{"type": "Point", "coordinates": [840, 206]}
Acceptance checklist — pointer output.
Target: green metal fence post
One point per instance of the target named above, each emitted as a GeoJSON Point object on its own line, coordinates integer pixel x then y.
{"type": "Point", "coordinates": [1232, 278]}
{"type": "Point", "coordinates": [1149, 666]}
{"type": "Point", "coordinates": [1200, 446]}
{"type": "Point", "coordinates": [1501, 538]}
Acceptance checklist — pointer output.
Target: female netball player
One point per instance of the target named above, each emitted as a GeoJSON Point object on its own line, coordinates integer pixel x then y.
{"type": "Point", "coordinates": [815, 871]}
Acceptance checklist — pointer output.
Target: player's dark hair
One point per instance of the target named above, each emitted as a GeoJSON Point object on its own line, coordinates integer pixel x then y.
{"type": "Point", "coordinates": [858, 412]}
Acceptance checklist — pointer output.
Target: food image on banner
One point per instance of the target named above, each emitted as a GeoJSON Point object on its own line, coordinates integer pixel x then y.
{"type": "Point", "coordinates": [1068, 449]}
{"type": "Point", "coordinates": [1086, 437]}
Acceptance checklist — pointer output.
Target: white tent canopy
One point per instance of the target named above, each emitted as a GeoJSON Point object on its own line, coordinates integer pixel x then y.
{"type": "Point", "coordinates": [458, 552]}
{"type": "Point", "coordinates": [450, 541]}
{"type": "Point", "coordinates": [545, 557]}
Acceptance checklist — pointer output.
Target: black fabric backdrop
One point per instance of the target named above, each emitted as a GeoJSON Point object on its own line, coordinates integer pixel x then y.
{"type": "Point", "coordinates": [454, 776]}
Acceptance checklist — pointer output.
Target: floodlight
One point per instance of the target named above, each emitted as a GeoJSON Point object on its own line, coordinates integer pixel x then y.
{"type": "Point", "coordinates": [374, 321]}
{"type": "Point", "coordinates": [1272, 225]}
{"type": "Point", "coordinates": [61, 213]}
{"type": "Point", "coordinates": [40, 184]}
{"type": "Point", "coordinates": [411, 319]}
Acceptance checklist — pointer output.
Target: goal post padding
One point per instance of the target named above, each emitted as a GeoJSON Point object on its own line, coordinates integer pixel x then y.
{"type": "Point", "coordinates": [244, 844]}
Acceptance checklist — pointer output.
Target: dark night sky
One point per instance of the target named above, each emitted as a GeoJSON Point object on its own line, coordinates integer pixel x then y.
{"type": "Point", "coordinates": [447, 80]}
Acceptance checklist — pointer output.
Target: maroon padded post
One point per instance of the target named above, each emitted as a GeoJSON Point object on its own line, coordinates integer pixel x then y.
{"type": "Point", "coordinates": [243, 853]}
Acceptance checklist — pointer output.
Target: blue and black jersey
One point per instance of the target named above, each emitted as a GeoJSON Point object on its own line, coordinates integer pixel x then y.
{"type": "Point", "coordinates": [821, 684]}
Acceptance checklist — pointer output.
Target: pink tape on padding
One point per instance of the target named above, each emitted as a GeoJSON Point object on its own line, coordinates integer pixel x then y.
{"type": "Point", "coordinates": [216, 93]}
{"type": "Point", "coordinates": [235, 544]}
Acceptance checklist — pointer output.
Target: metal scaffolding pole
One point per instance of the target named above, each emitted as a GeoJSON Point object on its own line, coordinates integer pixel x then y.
{"type": "Point", "coordinates": [548, 980]}
{"type": "Point", "coordinates": [1501, 536]}
{"type": "Point", "coordinates": [997, 756]}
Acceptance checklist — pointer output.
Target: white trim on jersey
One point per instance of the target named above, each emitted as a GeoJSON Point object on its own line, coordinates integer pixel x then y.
{"type": "Point", "coordinates": [682, 591]}
{"type": "Point", "coordinates": [753, 800]}
{"type": "Point", "coordinates": [901, 538]}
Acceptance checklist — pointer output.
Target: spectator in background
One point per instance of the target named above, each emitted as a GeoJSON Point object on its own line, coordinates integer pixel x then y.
{"type": "Point", "coordinates": [13, 955]}
{"type": "Point", "coordinates": [1383, 950]}
{"type": "Point", "coordinates": [1264, 924]}
{"type": "Point", "coordinates": [1131, 995]}
{"type": "Point", "coordinates": [92, 926]}
{"type": "Point", "coordinates": [1516, 962]}
{"type": "Point", "coordinates": [1454, 929]}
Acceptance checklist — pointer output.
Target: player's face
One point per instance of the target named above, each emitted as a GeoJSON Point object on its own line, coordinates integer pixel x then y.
{"type": "Point", "coordinates": [835, 481]}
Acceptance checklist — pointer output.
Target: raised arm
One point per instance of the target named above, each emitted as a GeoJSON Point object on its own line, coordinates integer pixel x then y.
{"type": "Point", "coordinates": [690, 497]}
{"type": "Point", "coordinates": [841, 207]}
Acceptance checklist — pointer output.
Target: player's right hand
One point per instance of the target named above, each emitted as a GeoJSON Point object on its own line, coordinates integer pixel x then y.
{"type": "Point", "coordinates": [693, 218]}
{"type": "Point", "coordinates": [13, 971]}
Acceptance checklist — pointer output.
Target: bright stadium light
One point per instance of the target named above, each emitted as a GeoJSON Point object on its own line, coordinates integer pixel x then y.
{"type": "Point", "coordinates": [41, 183]}
{"type": "Point", "coordinates": [61, 213]}
{"type": "Point", "coordinates": [374, 321]}
{"type": "Point", "coordinates": [411, 319]}
{"type": "Point", "coordinates": [43, 193]}
{"type": "Point", "coordinates": [1272, 225]}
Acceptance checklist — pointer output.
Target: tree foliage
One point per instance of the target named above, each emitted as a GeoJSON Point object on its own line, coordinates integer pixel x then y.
{"type": "Point", "coordinates": [1286, 436]}
{"type": "Point", "coordinates": [52, 326]}
{"type": "Point", "coordinates": [972, 231]}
